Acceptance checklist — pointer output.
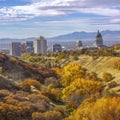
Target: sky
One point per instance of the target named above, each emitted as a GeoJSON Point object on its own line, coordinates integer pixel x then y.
{"type": "Point", "coordinates": [32, 18]}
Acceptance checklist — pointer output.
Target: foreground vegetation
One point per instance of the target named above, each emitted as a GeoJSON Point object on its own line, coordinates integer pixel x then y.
{"type": "Point", "coordinates": [59, 86]}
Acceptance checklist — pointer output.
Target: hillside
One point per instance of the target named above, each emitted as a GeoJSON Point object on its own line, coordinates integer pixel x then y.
{"type": "Point", "coordinates": [100, 65]}
{"type": "Point", "coordinates": [22, 89]}
{"type": "Point", "coordinates": [60, 87]}
{"type": "Point", "coordinates": [7, 84]}
{"type": "Point", "coordinates": [16, 69]}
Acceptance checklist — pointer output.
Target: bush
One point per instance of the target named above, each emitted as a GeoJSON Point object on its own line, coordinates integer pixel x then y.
{"type": "Point", "coordinates": [50, 115]}
{"type": "Point", "coordinates": [26, 85]}
{"type": "Point", "coordinates": [48, 94]}
{"type": "Point", "coordinates": [102, 109]}
{"type": "Point", "coordinates": [112, 84]}
{"type": "Point", "coordinates": [107, 76]}
{"type": "Point", "coordinates": [61, 110]}
{"type": "Point", "coordinates": [12, 112]}
{"type": "Point", "coordinates": [70, 107]}
{"type": "Point", "coordinates": [116, 63]}
{"type": "Point", "coordinates": [1, 70]}
{"type": "Point", "coordinates": [53, 81]}
{"type": "Point", "coordinates": [91, 76]}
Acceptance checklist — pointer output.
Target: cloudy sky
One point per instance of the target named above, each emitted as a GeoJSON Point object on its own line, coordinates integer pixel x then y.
{"type": "Point", "coordinates": [31, 18]}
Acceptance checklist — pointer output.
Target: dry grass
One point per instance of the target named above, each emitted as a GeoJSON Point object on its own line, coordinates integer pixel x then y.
{"type": "Point", "coordinates": [101, 65]}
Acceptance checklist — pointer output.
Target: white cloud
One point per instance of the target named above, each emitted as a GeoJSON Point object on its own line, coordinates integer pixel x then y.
{"type": "Point", "coordinates": [101, 11]}
{"type": "Point", "coordinates": [115, 21]}
{"type": "Point", "coordinates": [60, 7]}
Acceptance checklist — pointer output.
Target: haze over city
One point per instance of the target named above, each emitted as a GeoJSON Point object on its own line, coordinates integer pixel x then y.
{"type": "Point", "coordinates": [31, 18]}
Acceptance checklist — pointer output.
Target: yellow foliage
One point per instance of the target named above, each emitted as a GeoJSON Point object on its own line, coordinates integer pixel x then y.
{"type": "Point", "coordinates": [102, 109]}
{"type": "Point", "coordinates": [12, 112]}
{"type": "Point", "coordinates": [50, 115]}
{"type": "Point", "coordinates": [57, 93]}
{"type": "Point", "coordinates": [26, 84]}
{"type": "Point", "coordinates": [71, 72]}
{"type": "Point", "coordinates": [11, 100]}
{"type": "Point", "coordinates": [1, 70]}
{"type": "Point", "coordinates": [59, 71]}
{"type": "Point", "coordinates": [82, 87]}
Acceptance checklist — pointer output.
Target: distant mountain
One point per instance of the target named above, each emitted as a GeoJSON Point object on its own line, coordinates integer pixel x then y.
{"type": "Point", "coordinates": [107, 34]}
{"type": "Point", "coordinates": [74, 36]}
{"type": "Point", "coordinates": [109, 37]}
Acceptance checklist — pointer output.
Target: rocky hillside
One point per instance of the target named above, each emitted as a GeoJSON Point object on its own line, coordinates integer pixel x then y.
{"type": "Point", "coordinates": [16, 69]}
{"type": "Point", "coordinates": [21, 99]}
{"type": "Point", "coordinates": [7, 84]}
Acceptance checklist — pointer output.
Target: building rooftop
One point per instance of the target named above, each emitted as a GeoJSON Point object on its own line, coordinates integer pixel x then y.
{"type": "Point", "coordinates": [98, 34]}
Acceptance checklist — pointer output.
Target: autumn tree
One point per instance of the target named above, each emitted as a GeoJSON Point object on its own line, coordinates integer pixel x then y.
{"type": "Point", "coordinates": [106, 108]}
{"type": "Point", "coordinates": [13, 112]}
{"type": "Point", "coordinates": [82, 87]}
{"type": "Point", "coordinates": [102, 109]}
{"type": "Point", "coordinates": [71, 72]}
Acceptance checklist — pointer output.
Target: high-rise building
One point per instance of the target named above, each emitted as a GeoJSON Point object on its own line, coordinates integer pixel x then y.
{"type": "Point", "coordinates": [57, 48]}
{"type": "Point", "coordinates": [23, 48]}
{"type": "Point", "coordinates": [98, 42]}
{"type": "Point", "coordinates": [40, 45]}
{"type": "Point", "coordinates": [78, 44]}
{"type": "Point", "coordinates": [15, 49]}
{"type": "Point", "coordinates": [29, 46]}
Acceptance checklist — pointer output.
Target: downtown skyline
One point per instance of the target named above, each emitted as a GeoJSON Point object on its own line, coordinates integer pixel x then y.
{"type": "Point", "coordinates": [31, 18]}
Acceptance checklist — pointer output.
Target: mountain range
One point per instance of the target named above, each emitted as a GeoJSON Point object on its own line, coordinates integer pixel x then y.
{"type": "Point", "coordinates": [109, 37]}
{"type": "Point", "coordinates": [72, 36]}
{"type": "Point", "coordinates": [107, 34]}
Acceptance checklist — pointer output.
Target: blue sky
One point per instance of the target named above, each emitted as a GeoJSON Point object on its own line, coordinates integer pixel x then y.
{"type": "Point", "coordinates": [31, 18]}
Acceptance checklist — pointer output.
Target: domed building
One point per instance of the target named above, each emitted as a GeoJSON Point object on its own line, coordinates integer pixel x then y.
{"type": "Point", "coordinates": [98, 42]}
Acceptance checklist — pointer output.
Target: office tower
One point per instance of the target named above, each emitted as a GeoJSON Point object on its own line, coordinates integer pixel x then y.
{"type": "Point", "coordinates": [23, 48]}
{"type": "Point", "coordinates": [78, 44]}
{"type": "Point", "coordinates": [29, 46]}
{"type": "Point", "coordinates": [98, 42]}
{"type": "Point", "coordinates": [57, 48]}
{"type": "Point", "coordinates": [40, 45]}
{"type": "Point", "coordinates": [15, 49]}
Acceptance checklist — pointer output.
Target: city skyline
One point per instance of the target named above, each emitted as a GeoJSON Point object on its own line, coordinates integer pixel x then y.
{"type": "Point", "coordinates": [28, 18]}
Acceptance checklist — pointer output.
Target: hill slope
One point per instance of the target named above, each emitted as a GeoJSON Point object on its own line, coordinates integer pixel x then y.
{"type": "Point", "coordinates": [100, 65]}
{"type": "Point", "coordinates": [18, 70]}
